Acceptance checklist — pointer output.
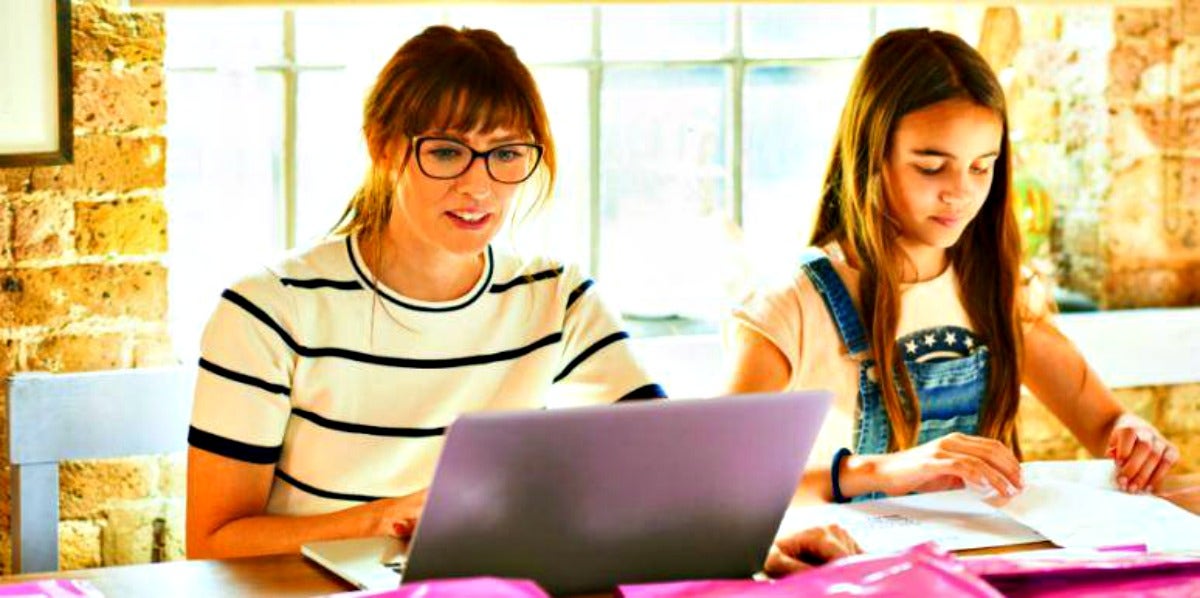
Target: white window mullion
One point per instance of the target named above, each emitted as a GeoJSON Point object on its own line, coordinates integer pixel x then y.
{"type": "Point", "coordinates": [290, 107]}
{"type": "Point", "coordinates": [735, 122]}
{"type": "Point", "coordinates": [595, 80]}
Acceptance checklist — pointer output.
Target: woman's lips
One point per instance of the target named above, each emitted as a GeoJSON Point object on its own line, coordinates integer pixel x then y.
{"type": "Point", "coordinates": [469, 220]}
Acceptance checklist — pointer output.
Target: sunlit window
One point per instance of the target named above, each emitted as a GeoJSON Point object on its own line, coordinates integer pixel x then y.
{"type": "Point", "coordinates": [692, 139]}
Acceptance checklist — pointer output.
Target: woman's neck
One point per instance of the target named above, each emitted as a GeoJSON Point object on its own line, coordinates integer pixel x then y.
{"type": "Point", "coordinates": [418, 272]}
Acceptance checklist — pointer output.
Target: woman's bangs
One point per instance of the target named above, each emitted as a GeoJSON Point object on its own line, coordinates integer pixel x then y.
{"type": "Point", "coordinates": [481, 109]}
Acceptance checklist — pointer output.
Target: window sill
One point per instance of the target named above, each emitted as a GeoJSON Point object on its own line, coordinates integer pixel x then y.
{"type": "Point", "coordinates": [1138, 347]}
{"type": "Point", "coordinates": [1129, 348]}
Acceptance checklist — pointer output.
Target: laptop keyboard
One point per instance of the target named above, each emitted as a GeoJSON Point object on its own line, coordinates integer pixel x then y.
{"type": "Point", "coordinates": [396, 566]}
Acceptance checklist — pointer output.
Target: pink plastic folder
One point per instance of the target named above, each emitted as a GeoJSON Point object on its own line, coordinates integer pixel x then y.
{"type": "Point", "coordinates": [471, 587]}
{"type": "Point", "coordinates": [923, 570]}
{"type": "Point", "coordinates": [51, 588]}
{"type": "Point", "coordinates": [926, 570]}
{"type": "Point", "coordinates": [1124, 574]}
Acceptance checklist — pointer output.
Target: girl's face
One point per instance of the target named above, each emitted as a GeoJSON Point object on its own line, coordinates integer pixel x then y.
{"type": "Point", "coordinates": [939, 170]}
{"type": "Point", "coordinates": [462, 214]}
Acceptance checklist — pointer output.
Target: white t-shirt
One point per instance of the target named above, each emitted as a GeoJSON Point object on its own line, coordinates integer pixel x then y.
{"type": "Point", "coordinates": [792, 315]}
{"type": "Point", "coordinates": [347, 386]}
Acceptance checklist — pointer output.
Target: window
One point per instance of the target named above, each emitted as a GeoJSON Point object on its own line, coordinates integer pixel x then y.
{"type": "Point", "coordinates": [692, 138]}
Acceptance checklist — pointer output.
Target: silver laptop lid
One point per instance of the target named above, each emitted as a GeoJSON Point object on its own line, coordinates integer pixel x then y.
{"type": "Point", "coordinates": [584, 499]}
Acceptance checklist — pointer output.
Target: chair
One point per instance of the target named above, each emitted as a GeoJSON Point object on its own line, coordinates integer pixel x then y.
{"type": "Point", "coordinates": [92, 415]}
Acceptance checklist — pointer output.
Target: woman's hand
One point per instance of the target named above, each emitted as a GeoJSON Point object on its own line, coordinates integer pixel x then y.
{"type": "Point", "coordinates": [399, 515]}
{"type": "Point", "coordinates": [809, 548]}
{"type": "Point", "coordinates": [1143, 456]}
{"type": "Point", "coordinates": [952, 461]}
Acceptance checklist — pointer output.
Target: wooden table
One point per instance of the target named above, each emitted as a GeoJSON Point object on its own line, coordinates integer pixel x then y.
{"type": "Point", "coordinates": [284, 576]}
{"type": "Point", "coordinates": [292, 575]}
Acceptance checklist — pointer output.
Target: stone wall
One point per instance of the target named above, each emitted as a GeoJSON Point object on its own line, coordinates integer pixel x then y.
{"type": "Point", "coordinates": [1175, 410]}
{"type": "Point", "coordinates": [1151, 219]}
{"type": "Point", "coordinates": [1099, 101]}
{"type": "Point", "coordinates": [83, 284]}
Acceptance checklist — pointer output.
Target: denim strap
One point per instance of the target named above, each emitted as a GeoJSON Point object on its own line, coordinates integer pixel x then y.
{"type": "Point", "coordinates": [833, 291]}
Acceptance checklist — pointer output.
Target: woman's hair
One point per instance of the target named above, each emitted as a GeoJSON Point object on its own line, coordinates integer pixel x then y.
{"type": "Point", "coordinates": [904, 71]}
{"type": "Point", "coordinates": [451, 80]}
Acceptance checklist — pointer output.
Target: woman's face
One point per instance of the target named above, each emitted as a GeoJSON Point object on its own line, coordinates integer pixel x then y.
{"type": "Point", "coordinates": [461, 214]}
{"type": "Point", "coordinates": [939, 170]}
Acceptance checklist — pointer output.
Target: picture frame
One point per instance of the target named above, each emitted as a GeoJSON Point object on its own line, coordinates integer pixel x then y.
{"type": "Point", "coordinates": [36, 106]}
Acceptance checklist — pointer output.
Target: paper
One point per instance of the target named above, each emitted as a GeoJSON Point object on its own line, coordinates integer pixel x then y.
{"type": "Point", "coordinates": [1074, 504]}
{"type": "Point", "coordinates": [1100, 474]}
{"type": "Point", "coordinates": [1075, 515]}
{"type": "Point", "coordinates": [955, 520]}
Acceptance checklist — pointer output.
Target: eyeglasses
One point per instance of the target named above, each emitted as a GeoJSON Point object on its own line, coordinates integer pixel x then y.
{"type": "Point", "coordinates": [511, 163]}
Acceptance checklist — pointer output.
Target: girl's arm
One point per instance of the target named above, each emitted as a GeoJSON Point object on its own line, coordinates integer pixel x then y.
{"type": "Point", "coordinates": [1055, 371]}
{"type": "Point", "coordinates": [947, 462]}
{"type": "Point", "coordinates": [758, 365]}
{"type": "Point", "coordinates": [226, 500]}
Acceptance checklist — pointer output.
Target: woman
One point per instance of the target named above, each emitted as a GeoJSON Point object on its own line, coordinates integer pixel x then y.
{"type": "Point", "coordinates": [327, 381]}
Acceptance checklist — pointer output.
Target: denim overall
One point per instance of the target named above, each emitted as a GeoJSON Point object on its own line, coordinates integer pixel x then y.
{"type": "Point", "coordinates": [950, 390]}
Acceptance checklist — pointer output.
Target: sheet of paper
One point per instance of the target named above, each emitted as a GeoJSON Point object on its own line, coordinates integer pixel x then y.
{"type": "Point", "coordinates": [1074, 504]}
{"type": "Point", "coordinates": [1094, 473]}
{"type": "Point", "coordinates": [1075, 515]}
{"type": "Point", "coordinates": [956, 520]}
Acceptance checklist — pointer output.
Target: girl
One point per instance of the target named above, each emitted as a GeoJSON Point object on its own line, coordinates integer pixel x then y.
{"type": "Point", "coordinates": [912, 290]}
{"type": "Point", "coordinates": [326, 382]}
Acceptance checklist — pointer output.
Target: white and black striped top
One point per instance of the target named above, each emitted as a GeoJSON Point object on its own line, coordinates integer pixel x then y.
{"type": "Point", "coordinates": [347, 387]}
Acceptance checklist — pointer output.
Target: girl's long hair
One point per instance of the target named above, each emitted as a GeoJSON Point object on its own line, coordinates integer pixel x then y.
{"type": "Point", "coordinates": [904, 71]}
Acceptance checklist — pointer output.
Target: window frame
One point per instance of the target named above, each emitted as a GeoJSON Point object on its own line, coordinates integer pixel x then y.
{"type": "Point", "coordinates": [735, 60]}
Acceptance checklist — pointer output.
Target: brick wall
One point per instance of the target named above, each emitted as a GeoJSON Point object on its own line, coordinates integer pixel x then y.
{"type": "Point", "coordinates": [84, 286]}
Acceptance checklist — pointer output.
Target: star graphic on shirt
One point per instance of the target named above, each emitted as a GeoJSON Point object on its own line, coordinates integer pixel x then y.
{"type": "Point", "coordinates": [911, 346]}
{"type": "Point", "coordinates": [930, 340]}
{"type": "Point", "coordinates": [950, 338]}
{"type": "Point", "coordinates": [969, 342]}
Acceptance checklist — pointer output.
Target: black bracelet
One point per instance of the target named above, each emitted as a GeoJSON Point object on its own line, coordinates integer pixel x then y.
{"type": "Point", "coordinates": [835, 473]}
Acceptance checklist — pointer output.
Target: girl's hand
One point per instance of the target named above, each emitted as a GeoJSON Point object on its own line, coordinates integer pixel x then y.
{"type": "Point", "coordinates": [952, 461]}
{"type": "Point", "coordinates": [809, 548]}
{"type": "Point", "coordinates": [399, 515]}
{"type": "Point", "coordinates": [1143, 456]}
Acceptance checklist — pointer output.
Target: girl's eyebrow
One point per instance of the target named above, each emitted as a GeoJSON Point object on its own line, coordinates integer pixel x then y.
{"type": "Point", "coordinates": [937, 153]}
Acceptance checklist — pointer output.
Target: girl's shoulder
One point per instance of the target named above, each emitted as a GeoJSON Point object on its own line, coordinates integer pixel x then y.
{"type": "Point", "coordinates": [827, 264]}
{"type": "Point", "coordinates": [795, 294]}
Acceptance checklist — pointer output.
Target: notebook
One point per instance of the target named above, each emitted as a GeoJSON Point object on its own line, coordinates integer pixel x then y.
{"type": "Point", "coordinates": [583, 499]}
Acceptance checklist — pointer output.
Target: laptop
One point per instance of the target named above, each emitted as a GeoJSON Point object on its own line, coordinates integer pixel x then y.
{"type": "Point", "coordinates": [583, 499]}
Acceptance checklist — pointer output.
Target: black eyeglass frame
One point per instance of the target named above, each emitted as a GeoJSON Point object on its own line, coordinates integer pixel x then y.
{"type": "Point", "coordinates": [487, 165]}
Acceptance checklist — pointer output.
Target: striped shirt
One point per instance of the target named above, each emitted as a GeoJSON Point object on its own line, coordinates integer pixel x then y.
{"type": "Point", "coordinates": [347, 386]}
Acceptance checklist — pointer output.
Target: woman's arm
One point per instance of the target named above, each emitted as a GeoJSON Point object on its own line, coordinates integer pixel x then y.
{"type": "Point", "coordinates": [809, 548]}
{"type": "Point", "coordinates": [598, 365]}
{"type": "Point", "coordinates": [226, 500]}
{"type": "Point", "coordinates": [1055, 371]}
